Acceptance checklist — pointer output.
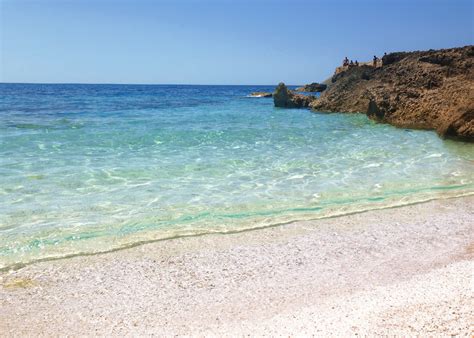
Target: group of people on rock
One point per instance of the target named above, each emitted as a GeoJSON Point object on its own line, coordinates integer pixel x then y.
{"type": "Point", "coordinates": [346, 62]}
{"type": "Point", "coordinates": [351, 63]}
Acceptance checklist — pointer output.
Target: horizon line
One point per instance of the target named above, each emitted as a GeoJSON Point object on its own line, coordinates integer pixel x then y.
{"type": "Point", "coordinates": [141, 84]}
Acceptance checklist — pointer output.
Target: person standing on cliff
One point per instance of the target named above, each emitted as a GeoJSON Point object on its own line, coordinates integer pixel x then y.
{"type": "Point", "coordinates": [375, 60]}
{"type": "Point", "coordinates": [345, 62]}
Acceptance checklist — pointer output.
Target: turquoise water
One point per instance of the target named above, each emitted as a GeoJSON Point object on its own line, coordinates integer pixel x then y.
{"type": "Point", "coordinates": [91, 168]}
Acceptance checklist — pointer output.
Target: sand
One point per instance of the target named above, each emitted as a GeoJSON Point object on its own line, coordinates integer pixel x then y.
{"type": "Point", "coordinates": [403, 271]}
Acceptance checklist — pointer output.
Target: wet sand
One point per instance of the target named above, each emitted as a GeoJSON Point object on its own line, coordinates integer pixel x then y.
{"type": "Point", "coordinates": [406, 270]}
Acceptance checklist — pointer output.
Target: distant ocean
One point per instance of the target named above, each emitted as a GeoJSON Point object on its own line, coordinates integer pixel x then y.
{"type": "Point", "coordinates": [92, 168]}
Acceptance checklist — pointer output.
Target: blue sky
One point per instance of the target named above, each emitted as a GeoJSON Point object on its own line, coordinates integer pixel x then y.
{"type": "Point", "coordinates": [215, 42]}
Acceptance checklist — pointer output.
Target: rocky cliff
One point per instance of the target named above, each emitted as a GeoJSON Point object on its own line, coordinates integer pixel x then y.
{"type": "Point", "coordinates": [423, 90]}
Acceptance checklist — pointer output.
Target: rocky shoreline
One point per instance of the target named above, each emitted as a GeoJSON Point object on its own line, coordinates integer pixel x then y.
{"type": "Point", "coordinates": [419, 90]}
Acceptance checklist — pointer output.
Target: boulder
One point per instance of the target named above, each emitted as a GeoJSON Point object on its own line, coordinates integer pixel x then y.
{"type": "Point", "coordinates": [282, 97]}
{"type": "Point", "coordinates": [388, 59]}
{"type": "Point", "coordinates": [312, 87]}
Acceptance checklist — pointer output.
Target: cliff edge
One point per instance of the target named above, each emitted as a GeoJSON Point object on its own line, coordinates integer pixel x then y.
{"type": "Point", "coordinates": [422, 90]}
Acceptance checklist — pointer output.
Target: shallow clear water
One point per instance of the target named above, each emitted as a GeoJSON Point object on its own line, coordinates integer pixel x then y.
{"type": "Point", "coordinates": [90, 168]}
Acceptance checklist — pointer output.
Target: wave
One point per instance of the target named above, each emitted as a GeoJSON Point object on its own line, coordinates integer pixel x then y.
{"type": "Point", "coordinates": [100, 243]}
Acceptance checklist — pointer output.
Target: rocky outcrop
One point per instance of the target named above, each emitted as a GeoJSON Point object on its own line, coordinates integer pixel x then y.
{"type": "Point", "coordinates": [282, 97]}
{"type": "Point", "coordinates": [312, 88]}
{"type": "Point", "coordinates": [423, 90]}
{"type": "Point", "coordinates": [260, 94]}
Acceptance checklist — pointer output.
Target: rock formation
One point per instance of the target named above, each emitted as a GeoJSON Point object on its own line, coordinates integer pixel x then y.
{"type": "Point", "coordinates": [312, 87]}
{"type": "Point", "coordinates": [423, 90]}
{"type": "Point", "coordinates": [282, 97]}
{"type": "Point", "coordinates": [260, 94]}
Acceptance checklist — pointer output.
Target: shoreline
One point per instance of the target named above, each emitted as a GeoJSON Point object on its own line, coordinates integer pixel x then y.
{"type": "Point", "coordinates": [304, 277]}
{"type": "Point", "coordinates": [138, 243]}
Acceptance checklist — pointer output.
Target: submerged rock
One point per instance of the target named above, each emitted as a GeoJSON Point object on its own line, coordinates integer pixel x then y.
{"type": "Point", "coordinates": [312, 87]}
{"type": "Point", "coordinates": [260, 94]}
{"type": "Point", "coordinates": [282, 97]}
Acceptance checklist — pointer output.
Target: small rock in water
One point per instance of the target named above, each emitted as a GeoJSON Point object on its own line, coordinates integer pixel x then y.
{"type": "Point", "coordinates": [260, 94]}
{"type": "Point", "coordinates": [287, 99]}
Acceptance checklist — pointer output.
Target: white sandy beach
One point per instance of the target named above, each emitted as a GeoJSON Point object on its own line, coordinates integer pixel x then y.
{"type": "Point", "coordinates": [405, 270]}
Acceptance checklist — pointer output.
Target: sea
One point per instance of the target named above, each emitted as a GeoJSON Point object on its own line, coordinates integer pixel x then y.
{"type": "Point", "coordinates": [87, 169]}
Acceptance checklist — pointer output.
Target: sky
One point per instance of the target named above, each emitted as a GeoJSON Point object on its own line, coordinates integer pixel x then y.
{"type": "Point", "coordinates": [215, 41]}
